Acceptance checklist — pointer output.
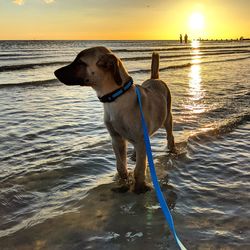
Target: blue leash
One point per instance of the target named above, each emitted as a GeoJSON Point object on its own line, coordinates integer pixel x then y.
{"type": "Point", "coordinates": [159, 194]}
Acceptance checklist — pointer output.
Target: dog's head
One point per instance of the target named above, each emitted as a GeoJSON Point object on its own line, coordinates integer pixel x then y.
{"type": "Point", "coordinates": [90, 67]}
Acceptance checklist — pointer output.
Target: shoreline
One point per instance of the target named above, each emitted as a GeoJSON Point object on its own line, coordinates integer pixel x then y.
{"type": "Point", "coordinates": [103, 218]}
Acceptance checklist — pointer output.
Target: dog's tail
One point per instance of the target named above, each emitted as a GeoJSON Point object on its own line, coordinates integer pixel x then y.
{"type": "Point", "coordinates": [155, 66]}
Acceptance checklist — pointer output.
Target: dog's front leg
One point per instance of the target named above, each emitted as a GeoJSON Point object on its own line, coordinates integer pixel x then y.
{"type": "Point", "coordinates": [140, 169]}
{"type": "Point", "coordinates": [120, 149]}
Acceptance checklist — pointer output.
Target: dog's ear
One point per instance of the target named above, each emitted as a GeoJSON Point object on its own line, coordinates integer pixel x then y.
{"type": "Point", "coordinates": [110, 62]}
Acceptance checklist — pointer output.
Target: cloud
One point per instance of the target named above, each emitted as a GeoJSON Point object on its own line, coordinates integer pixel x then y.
{"type": "Point", "coordinates": [18, 2]}
{"type": "Point", "coordinates": [21, 2]}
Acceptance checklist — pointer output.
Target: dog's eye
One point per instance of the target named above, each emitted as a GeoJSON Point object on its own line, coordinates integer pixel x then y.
{"type": "Point", "coordinates": [79, 62]}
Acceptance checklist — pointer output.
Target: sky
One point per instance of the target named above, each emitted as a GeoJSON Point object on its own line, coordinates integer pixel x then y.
{"type": "Point", "coordinates": [123, 19]}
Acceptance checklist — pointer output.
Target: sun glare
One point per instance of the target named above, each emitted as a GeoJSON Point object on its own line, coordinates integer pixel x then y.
{"type": "Point", "coordinates": [196, 21]}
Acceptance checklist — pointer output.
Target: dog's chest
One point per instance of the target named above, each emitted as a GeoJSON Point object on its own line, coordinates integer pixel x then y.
{"type": "Point", "coordinates": [111, 114]}
{"type": "Point", "coordinates": [115, 119]}
{"type": "Point", "coordinates": [117, 122]}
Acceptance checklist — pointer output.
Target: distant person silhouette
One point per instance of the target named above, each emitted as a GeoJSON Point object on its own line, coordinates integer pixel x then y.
{"type": "Point", "coordinates": [180, 38]}
{"type": "Point", "coordinates": [186, 38]}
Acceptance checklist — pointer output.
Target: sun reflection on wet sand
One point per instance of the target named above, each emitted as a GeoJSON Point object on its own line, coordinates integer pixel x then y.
{"type": "Point", "coordinates": [195, 81]}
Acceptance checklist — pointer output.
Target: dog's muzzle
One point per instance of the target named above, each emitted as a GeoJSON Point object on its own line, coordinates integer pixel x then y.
{"type": "Point", "coordinates": [67, 76]}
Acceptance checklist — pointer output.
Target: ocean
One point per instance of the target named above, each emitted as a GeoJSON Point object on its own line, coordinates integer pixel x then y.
{"type": "Point", "coordinates": [57, 166]}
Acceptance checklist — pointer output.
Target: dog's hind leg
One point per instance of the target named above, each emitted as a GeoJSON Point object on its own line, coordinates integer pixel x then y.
{"type": "Point", "coordinates": [168, 124]}
{"type": "Point", "coordinates": [140, 169]}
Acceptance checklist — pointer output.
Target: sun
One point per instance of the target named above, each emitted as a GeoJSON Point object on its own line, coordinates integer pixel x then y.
{"type": "Point", "coordinates": [196, 21]}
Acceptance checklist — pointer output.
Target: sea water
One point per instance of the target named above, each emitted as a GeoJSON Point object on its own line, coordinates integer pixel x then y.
{"type": "Point", "coordinates": [57, 165]}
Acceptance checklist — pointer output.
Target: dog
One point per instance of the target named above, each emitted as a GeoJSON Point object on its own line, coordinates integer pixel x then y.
{"type": "Point", "coordinates": [102, 70]}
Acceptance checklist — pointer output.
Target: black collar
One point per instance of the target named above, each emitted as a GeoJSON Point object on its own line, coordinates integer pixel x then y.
{"type": "Point", "coordinates": [110, 97]}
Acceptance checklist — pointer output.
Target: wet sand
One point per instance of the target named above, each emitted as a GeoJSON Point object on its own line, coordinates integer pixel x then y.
{"type": "Point", "coordinates": [105, 220]}
{"type": "Point", "coordinates": [108, 220]}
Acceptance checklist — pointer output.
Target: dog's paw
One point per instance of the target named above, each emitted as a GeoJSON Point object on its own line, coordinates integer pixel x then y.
{"type": "Point", "coordinates": [172, 150]}
{"type": "Point", "coordinates": [121, 189]}
{"type": "Point", "coordinates": [141, 188]}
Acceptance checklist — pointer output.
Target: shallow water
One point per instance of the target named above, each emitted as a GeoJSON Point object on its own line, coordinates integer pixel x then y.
{"type": "Point", "coordinates": [57, 164]}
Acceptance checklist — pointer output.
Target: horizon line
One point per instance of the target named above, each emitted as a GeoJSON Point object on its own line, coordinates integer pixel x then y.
{"type": "Point", "coordinates": [197, 39]}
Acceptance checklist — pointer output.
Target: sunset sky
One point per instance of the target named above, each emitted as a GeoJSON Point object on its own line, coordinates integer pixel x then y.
{"type": "Point", "coordinates": [123, 19]}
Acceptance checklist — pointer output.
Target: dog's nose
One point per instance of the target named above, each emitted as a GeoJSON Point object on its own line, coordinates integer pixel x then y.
{"type": "Point", "coordinates": [56, 73]}
{"type": "Point", "coordinates": [60, 75]}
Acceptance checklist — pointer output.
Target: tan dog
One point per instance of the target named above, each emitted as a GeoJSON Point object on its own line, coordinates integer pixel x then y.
{"type": "Point", "coordinates": [100, 69]}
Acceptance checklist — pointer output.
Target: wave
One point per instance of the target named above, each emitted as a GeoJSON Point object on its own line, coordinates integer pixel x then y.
{"type": "Point", "coordinates": [180, 48]}
{"type": "Point", "coordinates": [19, 55]}
{"type": "Point", "coordinates": [171, 67]}
{"type": "Point", "coordinates": [226, 52]}
{"type": "Point", "coordinates": [27, 84]}
{"type": "Point", "coordinates": [29, 66]}
{"type": "Point", "coordinates": [226, 126]}
{"type": "Point", "coordinates": [213, 130]}
{"type": "Point", "coordinates": [26, 57]}
{"type": "Point", "coordinates": [139, 58]}
{"type": "Point", "coordinates": [231, 59]}
{"type": "Point", "coordinates": [180, 66]}
{"type": "Point", "coordinates": [164, 68]}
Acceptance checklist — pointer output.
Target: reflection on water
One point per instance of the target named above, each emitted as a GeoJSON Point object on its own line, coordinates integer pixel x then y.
{"type": "Point", "coordinates": [195, 44]}
{"type": "Point", "coordinates": [195, 88]}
